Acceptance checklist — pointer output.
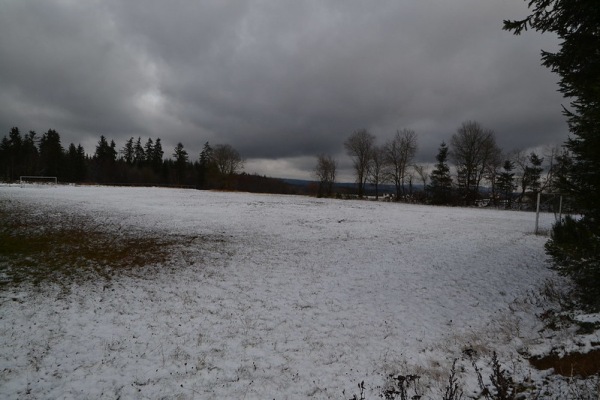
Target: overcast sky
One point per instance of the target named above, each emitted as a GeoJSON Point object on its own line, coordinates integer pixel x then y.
{"type": "Point", "coordinates": [281, 81]}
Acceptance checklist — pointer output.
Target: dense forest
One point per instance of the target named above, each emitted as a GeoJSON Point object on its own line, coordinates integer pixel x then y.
{"type": "Point", "coordinates": [138, 162]}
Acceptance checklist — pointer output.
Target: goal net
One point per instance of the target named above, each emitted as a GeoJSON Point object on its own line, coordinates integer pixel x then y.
{"type": "Point", "coordinates": [37, 180]}
{"type": "Point", "coordinates": [553, 205]}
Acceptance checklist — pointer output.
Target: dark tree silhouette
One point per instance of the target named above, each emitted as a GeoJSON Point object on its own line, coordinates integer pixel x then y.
{"type": "Point", "coordinates": [51, 154]}
{"type": "Point", "coordinates": [575, 244]}
{"type": "Point", "coordinates": [359, 147]}
{"type": "Point", "coordinates": [325, 172]}
{"type": "Point", "coordinates": [441, 182]}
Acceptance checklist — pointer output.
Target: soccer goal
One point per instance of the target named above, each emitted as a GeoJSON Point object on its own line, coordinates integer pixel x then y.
{"type": "Point", "coordinates": [37, 180]}
{"type": "Point", "coordinates": [553, 203]}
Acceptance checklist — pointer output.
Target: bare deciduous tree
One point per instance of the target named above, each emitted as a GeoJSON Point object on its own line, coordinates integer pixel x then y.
{"type": "Point", "coordinates": [376, 168]}
{"type": "Point", "coordinates": [492, 171]}
{"type": "Point", "coordinates": [359, 147]}
{"type": "Point", "coordinates": [399, 153]}
{"type": "Point", "coordinates": [325, 172]}
{"type": "Point", "coordinates": [422, 173]}
{"type": "Point", "coordinates": [471, 148]}
{"type": "Point", "coordinates": [227, 160]}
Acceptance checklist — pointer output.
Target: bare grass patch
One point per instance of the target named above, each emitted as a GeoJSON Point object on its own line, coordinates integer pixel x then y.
{"type": "Point", "coordinates": [40, 247]}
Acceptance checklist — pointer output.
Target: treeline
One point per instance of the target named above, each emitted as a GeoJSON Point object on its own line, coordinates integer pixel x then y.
{"type": "Point", "coordinates": [136, 163]}
{"type": "Point", "coordinates": [471, 168]}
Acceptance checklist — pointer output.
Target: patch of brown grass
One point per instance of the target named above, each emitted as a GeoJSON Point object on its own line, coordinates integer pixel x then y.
{"type": "Point", "coordinates": [38, 247]}
{"type": "Point", "coordinates": [573, 364]}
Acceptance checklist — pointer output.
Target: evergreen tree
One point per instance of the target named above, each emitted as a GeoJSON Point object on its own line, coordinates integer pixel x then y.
{"type": "Point", "coordinates": [530, 181]}
{"type": "Point", "coordinates": [139, 155]}
{"type": "Point", "coordinates": [75, 163]}
{"type": "Point", "coordinates": [506, 182]}
{"type": "Point", "coordinates": [127, 152]}
{"type": "Point", "coordinates": [205, 167]}
{"type": "Point", "coordinates": [71, 163]}
{"type": "Point", "coordinates": [81, 164]}
{"type": "Point", "coordinates": [104, 160]}
{"type": "Point", "coordinates": [157, 156]}
{"type": "Point", "coordinates": [51, 154]}
{"type": "Point", "coordinates": [440, 185]}
{"type": "Point", "coordinates": [561, 173]}
{"type": "Point", "coordinates": [149, 151]}
{"type": "Point", "coordinates": [4, 154]}
{"type": "Point", "coordinates": [14, 152]}
{"type": "Point", "coordinates": [180, 163]}
{"type": "Point", "coordinates": [534, 173]}
{"type": "Point", "coordinates": [30, 155]}
{"type": "Point", "coordinates": [575, 245]}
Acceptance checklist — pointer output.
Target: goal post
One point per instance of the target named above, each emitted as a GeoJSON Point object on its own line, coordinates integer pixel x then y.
{"type": "Point", "coordinates": [557, 203]}
{"type": "Point", "coordinates": [37, 180]}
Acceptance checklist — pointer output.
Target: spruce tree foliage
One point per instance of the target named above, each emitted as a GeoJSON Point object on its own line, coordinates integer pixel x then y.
{"type": "Point", "coordinates": [139, 155]}
{"type": "Point", "coordinates": [51, 154]}
{"type": "Point", "coordinates": [533, 173]}
{"type": "Point", "coordinates": [205, 167]}
{"type": "Point", "coordinates": [506, 182]}
{"type": "Point", "coordinates": [531, 178]}
{"type": "Point", "coordinates": [574, 244]}
{"type": "Point", "coordinates": [561, 172]}
{"type": "Point", "coordinates": [575, 250]}
{"type": "Point", "coordinates": [127, 151]}
{"type": "Point", "coordinates": [75, 164]}
{"type": "Point", "coordinates": [181, 159]}
{"type": "Point", "coordinates": [104, 159]}
{"type": "Point", "coordinates": [4, 154]}
{"type": "Point", "coordinates": [148, 151]}
{"type": "Point", "coordinates": [14, 151]}
{"type": "Point", "coordinates": [30, 155]}
{"type": "Point", "coordinates": [440, 187]}
{"type": "Point", "coordinates": [157, 156]}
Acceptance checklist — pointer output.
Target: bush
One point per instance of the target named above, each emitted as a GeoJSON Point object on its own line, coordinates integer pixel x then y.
{"type": "Point", "coordinates": [575, 251]}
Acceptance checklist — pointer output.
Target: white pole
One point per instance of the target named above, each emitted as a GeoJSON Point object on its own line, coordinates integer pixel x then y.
{"type": "Point", "coordinates": [537, 213]}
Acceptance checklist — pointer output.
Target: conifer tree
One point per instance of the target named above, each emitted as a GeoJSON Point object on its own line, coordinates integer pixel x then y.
{"type": "Point", "coordinates": [104, 160]}
{"type": "Point", "coordinates": [14, 152]}
{"type": "Point", "coordinates": [30, 156]}
{"type": "Point", "coordinates": [157, 156]}
{"type": "Point", "coordinates": [181, 160]}
{"type": "Point", "coordinates": [149, 151]}
{"type": "Point", "coordinates": [440, 185]}
{"type": "Point", "coordinates": [139, 155]}
{"type": "Point", "coordinates": [575, 244]}
{"type": "Point", "coordinates": [506, 182]}
{"type": "Point", "coordinates": [127, 152]}
{"type": "Point", "coordinates": [51, 154]}
{"type": "Point", "coordinates": [205, 167]}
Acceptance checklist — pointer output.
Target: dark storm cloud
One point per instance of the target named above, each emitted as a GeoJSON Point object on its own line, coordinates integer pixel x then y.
{"type": "Point", "coordinates": [279, 80]}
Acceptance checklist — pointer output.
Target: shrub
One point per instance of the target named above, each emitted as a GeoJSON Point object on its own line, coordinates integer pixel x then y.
{"type": "Point", "coordinates": [575, 251]}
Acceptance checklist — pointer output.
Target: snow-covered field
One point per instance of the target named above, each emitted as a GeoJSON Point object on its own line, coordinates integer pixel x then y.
{"type": "Point", "coordinates": [295, 297]}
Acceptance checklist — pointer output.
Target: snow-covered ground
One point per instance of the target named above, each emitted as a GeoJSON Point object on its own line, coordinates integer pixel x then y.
{"type": "Point", "coordinates": [295, 297]}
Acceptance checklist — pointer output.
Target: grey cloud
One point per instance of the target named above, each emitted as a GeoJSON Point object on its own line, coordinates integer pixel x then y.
{"type": "Point", "coordinates": [276, 79]}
